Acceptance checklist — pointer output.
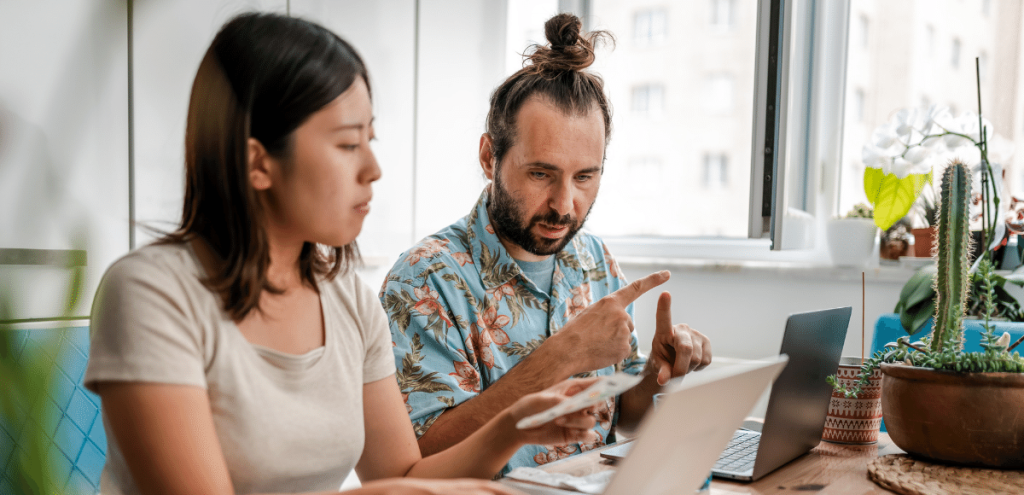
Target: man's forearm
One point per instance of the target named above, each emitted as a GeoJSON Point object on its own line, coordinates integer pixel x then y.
{"type": "Point", "coordinates": [538, 371]}
{"type": "Point", "coordinates": [635, 402]}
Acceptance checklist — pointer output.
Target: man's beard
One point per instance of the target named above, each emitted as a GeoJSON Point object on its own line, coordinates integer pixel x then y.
{"type": "Point", "coordinates": [507, 220]}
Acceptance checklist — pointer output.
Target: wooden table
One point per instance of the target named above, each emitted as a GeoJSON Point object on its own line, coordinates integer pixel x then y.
{"type": "Point", "coordinates": [828, 469]}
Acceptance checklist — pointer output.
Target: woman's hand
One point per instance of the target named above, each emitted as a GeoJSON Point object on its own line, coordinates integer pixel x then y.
{"type": "Point", "coordinates": [412, 486]}
{"type": "Point", "coordinates": [572, 428]}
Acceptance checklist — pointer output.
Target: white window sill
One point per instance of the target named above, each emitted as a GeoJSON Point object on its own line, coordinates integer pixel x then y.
{"type": "Point", "coordinates": [780, 269]}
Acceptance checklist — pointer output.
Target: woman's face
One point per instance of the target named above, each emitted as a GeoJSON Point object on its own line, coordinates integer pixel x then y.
{"type": "Point", "coordinates": [322, 192]}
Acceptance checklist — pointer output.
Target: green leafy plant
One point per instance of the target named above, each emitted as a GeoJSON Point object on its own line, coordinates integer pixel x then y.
{"type": "Point", "coordinates": [25, 382]}
{"type": "Point", "coordinates": [943, 348]}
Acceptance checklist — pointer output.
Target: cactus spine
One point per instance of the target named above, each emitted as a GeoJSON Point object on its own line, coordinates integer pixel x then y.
{"type": "Point", "coordinates": [953, 247]}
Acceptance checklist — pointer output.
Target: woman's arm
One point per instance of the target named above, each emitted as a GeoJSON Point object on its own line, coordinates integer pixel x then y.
{"type": "Point", "coordinates": [166, 434]}
{"type": "Point", "coordinates": [167, 437]}
{"type": "Point", "coordinates": [391, 449]}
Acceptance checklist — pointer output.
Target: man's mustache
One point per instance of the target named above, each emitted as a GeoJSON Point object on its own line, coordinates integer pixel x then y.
{"type": "Point", "coordinates": [553, 219]}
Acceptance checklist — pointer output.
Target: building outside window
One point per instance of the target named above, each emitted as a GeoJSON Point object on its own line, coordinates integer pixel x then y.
{"type": "Point", "coordinates": [929, 40]}
{"type": "Point", "coordinates": [954, 54]}
{"type": "Point", "coordinates": [648, 99]}
{"type": "Point", "coordinates": [722, 14]}
{"type": "Point", "coordinates": [858, 104]}
{"type": "Point", "coordinates": [716, 171]}
{"type": "Point", "coordinates": [863, 27]}
{"type": "Point", "coordinates": [649, 27]}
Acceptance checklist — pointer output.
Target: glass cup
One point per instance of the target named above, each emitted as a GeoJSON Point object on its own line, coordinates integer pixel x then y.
{"type": "Point", "coordinates": [706, 486]}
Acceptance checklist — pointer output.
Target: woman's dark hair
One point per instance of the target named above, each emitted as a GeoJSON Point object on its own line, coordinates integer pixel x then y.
{"type": "Point", "coordinates": [262, 77]}
{"type": "Point", "coordinates": [555, 72]}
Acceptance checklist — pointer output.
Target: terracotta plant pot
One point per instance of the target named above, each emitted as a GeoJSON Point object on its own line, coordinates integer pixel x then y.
{"type": "Point", "coordinates": [972, 419]}
{"type": "Point", "coordinates": [854, 421]}
{"type": "Point", "coordinates": [923, 240]}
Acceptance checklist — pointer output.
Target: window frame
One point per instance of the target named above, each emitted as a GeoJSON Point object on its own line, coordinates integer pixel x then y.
{"type": "Point", "coordinates": [812, 37]}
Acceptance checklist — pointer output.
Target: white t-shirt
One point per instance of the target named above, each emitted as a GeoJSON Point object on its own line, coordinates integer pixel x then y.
{"type": "Point", "coordinates": [286, 423]}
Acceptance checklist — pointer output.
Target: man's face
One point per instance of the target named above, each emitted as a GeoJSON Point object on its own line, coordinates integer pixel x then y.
{"type": "Point", "coordinates": [548, 180]}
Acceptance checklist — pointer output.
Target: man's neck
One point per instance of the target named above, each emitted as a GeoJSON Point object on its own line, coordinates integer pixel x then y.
{"type": "Point", "coordinates": [518, 253]}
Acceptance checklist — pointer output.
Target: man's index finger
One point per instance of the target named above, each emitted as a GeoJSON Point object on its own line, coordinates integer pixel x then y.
{"type": "Point", "coordinates": [638, 287]}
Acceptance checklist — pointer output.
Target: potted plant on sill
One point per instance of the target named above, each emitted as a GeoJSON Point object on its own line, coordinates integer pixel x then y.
{"type": "Point", "coordinates": [851, 239]}
{"type": "Point", "coordinates": [939, 402]}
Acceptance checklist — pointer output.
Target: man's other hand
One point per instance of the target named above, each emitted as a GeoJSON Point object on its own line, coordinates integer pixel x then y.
{"type": "Point", "coordinates": [676, 349]}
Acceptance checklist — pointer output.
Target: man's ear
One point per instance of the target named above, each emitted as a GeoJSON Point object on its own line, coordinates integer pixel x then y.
{"type": "Point", "coordinates": [486, 156]}
{"type": "Point", "coordinates": [259, 165]}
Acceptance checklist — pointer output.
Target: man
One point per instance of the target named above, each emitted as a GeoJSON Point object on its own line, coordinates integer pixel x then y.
{"type": "Point", "coordinates": [513, 297]}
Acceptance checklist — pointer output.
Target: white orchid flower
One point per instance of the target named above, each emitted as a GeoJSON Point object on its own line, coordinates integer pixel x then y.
{"type": "Point", "coordinates": [968, 123]}
{"type": "Point", "coordinates": [1000, 149]}
{"type": "Point", "coordinates": [904, 120]}
{"type": "Point", "coordinates": [1004, 340]}
{"type": "Point", "coordinates": [884, 137]}
{"type": "Point", "coordinates": [901, 167]}
{"type": "Point", "coordinates": [933, 114]}
{"type": "Point", "coordinates": [916, 154]}
{"type": "Point", "coordinates": [968, 154]}
{"type": "Point", "coordinates": [954, 142]}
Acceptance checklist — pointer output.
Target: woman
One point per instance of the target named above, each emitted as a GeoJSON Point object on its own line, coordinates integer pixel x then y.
{"type": "Point", "coordinates": [239, 354]}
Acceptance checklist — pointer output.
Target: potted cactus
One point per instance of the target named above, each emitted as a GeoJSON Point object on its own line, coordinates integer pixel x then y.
{"type": "Point", "coordinates": [939, 402]}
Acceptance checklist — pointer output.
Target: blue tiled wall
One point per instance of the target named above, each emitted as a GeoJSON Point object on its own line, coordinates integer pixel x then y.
{"type": "Point", "coordinates": [70, 414]}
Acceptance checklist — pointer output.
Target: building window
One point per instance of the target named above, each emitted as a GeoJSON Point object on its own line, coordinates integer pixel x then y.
{"type": "Point", "coordinates": [858, 105]}
{"type": "Point", "coordinates": [863, 26]}
{"type": "Point", "coordinates": [929, 39]}
{"type": "Point", "coordinates": [954, 58]}
{"type": "Point", "coordinates": [649, 27]}
{"type": "Point", "coordinates": [716, 170]}
{"type": "Point", "coordinates": [719, 93]}
{"type": "Point", "coordinates": [722, 13]}
{"type": "Point", "coordinates": [648, 99]}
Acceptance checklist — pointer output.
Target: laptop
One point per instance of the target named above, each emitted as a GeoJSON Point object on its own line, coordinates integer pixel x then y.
{"type": "Point", "coordinates": [661, 463]}
{"type": "Point", "coordinates": [798, 403]}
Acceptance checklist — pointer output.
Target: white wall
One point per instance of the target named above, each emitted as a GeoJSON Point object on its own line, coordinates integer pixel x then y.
{"type": "Point", "coordinates": [63, 144]}
{"type": "Point", "coordinates": [742, 308]}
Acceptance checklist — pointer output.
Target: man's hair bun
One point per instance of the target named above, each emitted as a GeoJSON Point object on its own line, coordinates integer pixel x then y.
{"type": "Point", "coordinates": [569, 49]}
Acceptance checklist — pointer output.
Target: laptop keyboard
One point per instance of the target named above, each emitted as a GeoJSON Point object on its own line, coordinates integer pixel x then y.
{"type": "Point", "coordinates": [739, 455]}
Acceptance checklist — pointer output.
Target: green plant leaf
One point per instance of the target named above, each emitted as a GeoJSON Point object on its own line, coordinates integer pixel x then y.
{"type": "Point", "coordinates": [920, 287]}
{"type": "Point", "coordinates": [891, 196]}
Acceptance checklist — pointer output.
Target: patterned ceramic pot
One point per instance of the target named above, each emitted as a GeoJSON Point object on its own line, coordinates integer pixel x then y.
{"type": "Point", "coordinates": [854, 421]}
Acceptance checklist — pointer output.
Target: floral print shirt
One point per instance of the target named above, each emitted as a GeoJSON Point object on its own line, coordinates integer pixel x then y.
{"type": "Point", "coordinates": [462, 314]}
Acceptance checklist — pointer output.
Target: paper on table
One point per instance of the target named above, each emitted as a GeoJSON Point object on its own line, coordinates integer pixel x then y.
{"type": "Point", "coordinates": [603, 388]}
{"type": "Point", "coordinates": [591, 483]}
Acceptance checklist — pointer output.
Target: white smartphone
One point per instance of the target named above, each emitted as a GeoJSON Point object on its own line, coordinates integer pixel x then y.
{"type": "Point", "coordinates": [603, 388]}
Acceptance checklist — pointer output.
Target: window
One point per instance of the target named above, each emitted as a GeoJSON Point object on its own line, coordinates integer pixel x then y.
{"type": "Point", "coordinates": [649, 27]}
{"type": "Point", "coordinates": [696, 91]}
{"type": "Point", "coordinates": [719, 93]}
{"type": "Point", "coordinates": [858, 105]}
{"type": "Point", "coordinates": [927, 82]}
{"type": "Point", "coordinates": [716, 171]}
{"type": "Point", "coordinates": [954, 54]}
{"type": "Point", "coordinates": [722, 14]}
{"type": "Point", "coordinates": [863, 25]}
{"type": "Point", "coordinates": [648, 99]}
{"type": "Point", "coordinates": [929, 40]}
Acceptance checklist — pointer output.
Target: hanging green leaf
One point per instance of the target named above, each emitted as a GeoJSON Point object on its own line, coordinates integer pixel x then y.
{"type": "Point", "coordinates": [891, 196]}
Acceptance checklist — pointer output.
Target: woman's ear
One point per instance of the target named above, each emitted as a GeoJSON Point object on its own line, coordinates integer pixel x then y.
{"type": "Point", "coordinates": [486, 156]}
{"type": "Point", "coordinates": [259, 165]}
